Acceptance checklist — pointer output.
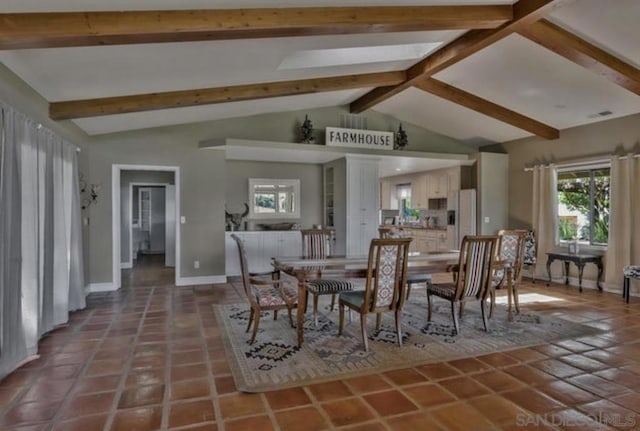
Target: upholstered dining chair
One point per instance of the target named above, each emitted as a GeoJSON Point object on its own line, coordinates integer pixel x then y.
{"type": "Point", "coordinates": [530, 257]}
{"type": "Point", "coordinates": [386, 278]}
{"type": "Point", "coordinates": [318, 244]}
{"type": "Point", "coordinates": [389, 232]}
{"type": "Point", "coordinates": [475, 269]}
{"type": "Point", "coordinates": [264, 294]}
{"type": "Point", "coordinates": [510, 252]}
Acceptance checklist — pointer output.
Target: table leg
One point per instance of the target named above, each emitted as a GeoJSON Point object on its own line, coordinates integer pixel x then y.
{"type": "Point", "coordinates": [566, 272]}
{"type": "Point", "coordinates": [600, 271]}
{"type": "Point", "coordinates": [549, 260]}
{"type": "Point", "coordinates": [302, 304]}
{"type": "Point", "coordinates": [580, 266]}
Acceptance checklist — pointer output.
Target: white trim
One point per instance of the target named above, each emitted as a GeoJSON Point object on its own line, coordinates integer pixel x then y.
{"type": "Point", "coordinates": [126, 265]}
{"type": "Point", "coordinates": [100, 287]}
{"type": "Point", "coordinates": [116, 169]}
{"type": "Point", "coordinates": [206, 279]}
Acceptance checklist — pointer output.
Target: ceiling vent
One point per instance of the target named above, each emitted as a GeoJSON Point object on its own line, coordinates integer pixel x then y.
{"type": "Point", "coordinates": [600, 114]}
{"type": "Point", "coordinates": [349, 121]}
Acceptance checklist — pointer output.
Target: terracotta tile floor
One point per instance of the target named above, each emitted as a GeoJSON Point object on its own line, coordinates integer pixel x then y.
{"type": "Point", "coordinates": [150, 357]}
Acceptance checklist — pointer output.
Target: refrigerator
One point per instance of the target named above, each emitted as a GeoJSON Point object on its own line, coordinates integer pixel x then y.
{"type": "Point", "coordinates": [461, 216]}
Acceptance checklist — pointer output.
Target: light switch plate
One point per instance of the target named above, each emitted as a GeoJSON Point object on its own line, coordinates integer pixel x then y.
{"type": "Point", "coordinates": [183, 219]}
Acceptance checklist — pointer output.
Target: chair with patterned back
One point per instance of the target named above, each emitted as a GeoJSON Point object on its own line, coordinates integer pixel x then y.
{"type": "Point", "coordinates": [386, 232]}
{"type": "Point", "coordinates": [264, 294]}
{"type": "Point", "coordinates": [531, 253]}
{"type": "Point", "coordinates": [510, 252]}
{"type": "Point", "coordinates": [475, 268]}
{"type": "Point", "coordinates": [386, 277]}
{"type": "Point", "coordinates": [318, 244]}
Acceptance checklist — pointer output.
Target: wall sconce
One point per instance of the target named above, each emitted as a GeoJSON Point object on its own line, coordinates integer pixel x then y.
{"type": "Point", "coordinates": [88, 193]}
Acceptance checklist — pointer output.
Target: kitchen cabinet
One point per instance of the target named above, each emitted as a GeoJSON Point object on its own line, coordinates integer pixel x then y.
{"type": "Point", "coordinates": [260, 247]}
{"type": "Point", "coordinates": [453, 180]}
{"type": "Point", "coordinates": [388, 199]}
{"type": "Point", "coordinates": [427, 240]}
{"type": "Point", "coordinates": [419, 191]}
{"type": "Point", "coordinates": [437, 184]}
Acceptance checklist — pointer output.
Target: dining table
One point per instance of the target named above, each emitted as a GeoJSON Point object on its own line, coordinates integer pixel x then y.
{"type": "Point", "coordinates": [306, 269]}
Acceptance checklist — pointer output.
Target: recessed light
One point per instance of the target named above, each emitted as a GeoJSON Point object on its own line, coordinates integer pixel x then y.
{"type": "Point", "coordinates": [357, 55]}
{"type": "Point", "coordinates": [398, 169]}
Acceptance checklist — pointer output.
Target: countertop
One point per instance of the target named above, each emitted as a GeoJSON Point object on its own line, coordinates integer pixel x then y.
{"type": "Point", "coordinates": [418, 227]}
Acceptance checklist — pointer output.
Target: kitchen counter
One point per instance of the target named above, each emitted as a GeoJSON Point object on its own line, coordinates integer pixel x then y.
{"type": "Point", "coordinates": [417, 227]}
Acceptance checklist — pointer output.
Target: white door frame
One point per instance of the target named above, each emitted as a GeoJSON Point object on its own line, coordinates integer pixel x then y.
{"type": "Point", "coordinates": [116, 170]}
{"type": "Point", "coordinates": [129, 264]}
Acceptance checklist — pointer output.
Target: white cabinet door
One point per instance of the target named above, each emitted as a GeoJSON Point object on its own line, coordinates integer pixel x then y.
{"type": "Point", "coordinates": [260, 248]}
{"type": "Point", "coordinates": [362, 205]}
{"type": "Point", "coordinates": [419, 191]}
{"type": "Point", "coordinates": [231, 256]}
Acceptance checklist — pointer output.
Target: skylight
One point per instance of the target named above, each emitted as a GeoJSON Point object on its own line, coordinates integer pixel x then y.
{"type": "Point", "coordinates": [356, 55]}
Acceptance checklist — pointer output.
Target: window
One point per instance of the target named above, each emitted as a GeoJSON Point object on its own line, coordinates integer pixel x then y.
{"type": "Point", "coordinates": [273, 198]}
{"type": "Point", "coordinates": [583, 205]}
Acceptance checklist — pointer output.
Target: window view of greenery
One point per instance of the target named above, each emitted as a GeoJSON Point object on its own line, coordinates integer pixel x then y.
{"type": "Point", "coordinates": [265, 199]}
{"type": "Point", "coordinates": [583, 205]}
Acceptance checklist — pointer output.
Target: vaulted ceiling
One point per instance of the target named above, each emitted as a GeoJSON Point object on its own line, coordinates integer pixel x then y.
{"type": "Point", "coordinates": [478, 71]}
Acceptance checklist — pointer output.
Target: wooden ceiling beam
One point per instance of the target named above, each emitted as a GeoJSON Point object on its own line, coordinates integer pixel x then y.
{"type": "Point", "coordinates": [525, 12]}
{"type": "Point", "coordinates": [490, 109]}
{"type": "Point", "coordinates": [581, 52]}
{"type": "Point", "coordinates": [206, 96]}
{"type": "Point", "coordinates": [66, 29]}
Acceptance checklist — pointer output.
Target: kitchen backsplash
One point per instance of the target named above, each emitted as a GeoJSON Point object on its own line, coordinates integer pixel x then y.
{"type": "Point", "coordinates": [439, 217]}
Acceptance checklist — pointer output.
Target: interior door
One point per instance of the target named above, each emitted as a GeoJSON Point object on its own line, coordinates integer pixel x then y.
{"type": "Point", "coordinates": [170, 226]}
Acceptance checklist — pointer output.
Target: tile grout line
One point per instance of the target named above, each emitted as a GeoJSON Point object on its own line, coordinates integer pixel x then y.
{"type": "Point", "coordinates": [122, 383]}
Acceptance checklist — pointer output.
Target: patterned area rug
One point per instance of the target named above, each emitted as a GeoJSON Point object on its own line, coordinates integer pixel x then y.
{"type": "Point", "coordinates": [275, 362]}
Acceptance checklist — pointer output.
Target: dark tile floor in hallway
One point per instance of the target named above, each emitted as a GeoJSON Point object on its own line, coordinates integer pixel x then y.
{"type": "Point", "coordinates": [150, 357]}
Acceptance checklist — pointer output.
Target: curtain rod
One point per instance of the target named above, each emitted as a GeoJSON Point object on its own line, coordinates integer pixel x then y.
{"type": "Point", "coordinates": [581, 162]}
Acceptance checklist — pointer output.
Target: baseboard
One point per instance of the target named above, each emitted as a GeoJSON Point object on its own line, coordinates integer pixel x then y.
{"type": "Point", "coordinates": [100, 287]}
{"type": "Point", "coordinates": [207, 279]}
{"type": "Point", "coordinates": [126, 265]}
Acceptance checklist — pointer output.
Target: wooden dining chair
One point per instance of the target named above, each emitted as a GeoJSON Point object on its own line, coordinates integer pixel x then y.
{"type": "Point", "coordinates": [264, 294]}
{"type": "Point", "coordinates": [384, 286]}
{"type": "Point", "coordinates": [475, 269]}
{"type": "Point", "coordinates": [318, 244]}
{"type": "Point", "coordinates": [387, 232]}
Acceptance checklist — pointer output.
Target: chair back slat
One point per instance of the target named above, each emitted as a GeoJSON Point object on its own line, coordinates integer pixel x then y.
{"type": "Point", "coordinates": [477, 256]}
{"type": "Point", "coordinates": [317, 243]}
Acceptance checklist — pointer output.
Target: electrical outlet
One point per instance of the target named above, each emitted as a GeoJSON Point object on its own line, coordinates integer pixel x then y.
{"type": "Point", "coordinates": [183, 219]}
{"type": "Point", "coordinates": [196, 264]}
{"type": "Point", "coordinates": [487, 220]}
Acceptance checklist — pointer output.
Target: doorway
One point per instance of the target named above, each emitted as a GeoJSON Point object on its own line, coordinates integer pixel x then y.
{"type": "Point", "coordinates": [146, 231]}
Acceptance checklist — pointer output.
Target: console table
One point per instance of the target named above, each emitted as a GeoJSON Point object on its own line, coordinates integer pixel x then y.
{"type": "Point", "coordinates": [580, 260]}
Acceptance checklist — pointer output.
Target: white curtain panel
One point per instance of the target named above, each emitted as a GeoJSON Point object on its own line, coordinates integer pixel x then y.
{"type": "Point", "coordinates": [545, 212]}
{"type": "Point", "coordinates": [50, 268]}
{"type": "Point", "coordinates": [624, 231]}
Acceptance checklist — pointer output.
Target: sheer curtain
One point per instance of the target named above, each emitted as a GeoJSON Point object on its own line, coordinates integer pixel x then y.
{"type": "Point", "coordinates": [624, 232]}
{"type": "Point", "coordinates": [545, 210]}
{"type": "Point", "coordinates": [41, 267]}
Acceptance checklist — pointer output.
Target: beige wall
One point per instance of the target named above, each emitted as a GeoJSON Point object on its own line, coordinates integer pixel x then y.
{"type": "Point", "coordinates": [595, 141]}
{"type": "Point", "coordinates": [203, 172]}
{"type": "Point", "coordinates": [492, 192]}
{"type": "Point", "coordinates": [310, 176]}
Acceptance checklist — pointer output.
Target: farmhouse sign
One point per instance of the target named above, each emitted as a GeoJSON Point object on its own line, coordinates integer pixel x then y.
{"type": "Point", "coordinates": [356, 138]}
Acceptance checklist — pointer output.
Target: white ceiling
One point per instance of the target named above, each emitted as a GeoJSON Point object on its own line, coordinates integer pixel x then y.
{"type": "Point", "coordinates": [514, 72]}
